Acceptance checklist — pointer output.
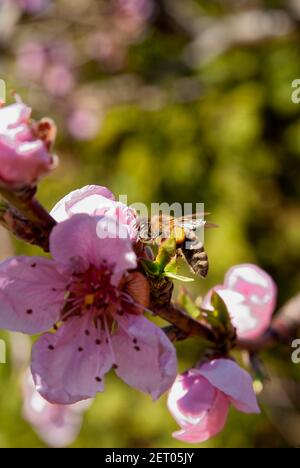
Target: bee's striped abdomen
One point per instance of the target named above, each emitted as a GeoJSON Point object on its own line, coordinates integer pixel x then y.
{"type": "Point", "coordinates": [195, 255]}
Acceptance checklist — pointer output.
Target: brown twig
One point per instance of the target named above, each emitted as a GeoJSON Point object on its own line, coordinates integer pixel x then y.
{"type": "Point", "coordinates": [161, 305]}
{"type": "Point", "coordinates": [24, 206]}
{"type": "Point", "coordinates": [21, 227]}
{"type": "Point", "coordinates": [174, 333]}
{"type": "Point", "coordinates": [184, 323]}
{"type": "Point", "coordinates": [283, 329]}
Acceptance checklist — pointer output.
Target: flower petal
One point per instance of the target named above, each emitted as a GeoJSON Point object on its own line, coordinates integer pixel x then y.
{"type": "Point", "coordinates": [145, 357]}
{"type": "Point", "coordinates": [31, 292]}
{"type": "Point", "coordinates": [250, 295]}
{"type": "Point", "coordinates": [97, 201]}
{"type": "Point", "coordinates": [88, 238]}
{"type": "Point", "coordinates": [89, 199]}
{"type": "Point", "coordinates": [259, 292]}
{"type": "Point", "coordinates": [23, 161]}
{"type": "Point", "coordinates": [57, 425]}
{"type": "Point", "coordinates": [232, 380]}
{"type": "Point", "coordinates": [24, 157]}
{"type": "Point", "coordinates": [211, 424]}
{"type": "Point", "coordinates": [190, 397]}
{"type": "Point", "coordinates": [68, 366]}
{"type": "Point", "coordinates": [12, 116]}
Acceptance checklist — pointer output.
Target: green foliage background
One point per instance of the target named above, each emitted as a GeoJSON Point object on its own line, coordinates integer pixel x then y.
{"type": "Point", "coordinates": [234, 146]}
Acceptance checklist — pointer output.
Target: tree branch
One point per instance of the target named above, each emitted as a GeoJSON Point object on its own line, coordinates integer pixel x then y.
{"type": "Point", "coordinates": [186, 325]}
{"type": "Point", "coordinates": [21, 227]}
{"type": "Point", "coordinates": [283, 329]}
{"type": "Point", "coordinates": [27, 215]}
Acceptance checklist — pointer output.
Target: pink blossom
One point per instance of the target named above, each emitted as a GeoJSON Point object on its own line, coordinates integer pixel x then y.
{"type": "Point", "coordinates": [250, 295]}
{"type": "Point", "coordinates": [96, 201]}
{"type": "Point", "coordinates": [59, 80]}
{"type": "Point", "coordinates": [83, 123]}
{"type": "Point", "coordinates": [57, 425]}
{"type": "Point", "coordinates": [131, 17]}
{"type": "Point", "coordinates": [199, 400]}
{"type": "Point", "coordinates": [48, 63]}
{"type": "Point", "coordinates": [92, 293]}
{"type": "Point", "coordinates": [108, 48]}
{"type": "Point", "coordinates": [24, 146]}
{"type": "Point", "coordinates": [32, 60]}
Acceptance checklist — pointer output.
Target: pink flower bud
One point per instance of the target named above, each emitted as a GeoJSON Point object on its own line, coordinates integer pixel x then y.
{"type": "Point", "coordinates": [250, 295]}
{"type": "Point", "coordinates": [199, 400]}
{"type": "Point", "coordinates": [24, 146]}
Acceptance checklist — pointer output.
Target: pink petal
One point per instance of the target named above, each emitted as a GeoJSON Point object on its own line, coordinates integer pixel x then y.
{"type": "Point", "coordinates": [69, 365]}
{"type": "Point", "coordinates": [13, 115]}
{"type": "Point", "coordinates": [23, 162]}
{"type": "Point", "coordinates": [31, 60]}
{"type": "Point", "coordinates": [31, 292]}
{"type": "Point", "coordinates": [250, 295]}
{"type": "Point", "coordinates": [57, 425]}
{"type": "Point", "coordinates": [90, 200]}
{"type": "Point", "coordinates": [211, 424]}
{"type": "Point", "coordinates": [235, 382]}
{"type": "Point", "coordinates": [24, 157]}
{"type": "Point", "coordinates": [96, 201]}
{"type": "Point", "coordinates": [190, 397]}
{"type": "Point", "coordinates": [86, 240]}
{"type": "Point", "coordinates": [145, 357]}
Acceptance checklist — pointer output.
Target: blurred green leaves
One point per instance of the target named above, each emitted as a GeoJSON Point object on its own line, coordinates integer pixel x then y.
{"type": "Point", "coordinates": [234, 145]}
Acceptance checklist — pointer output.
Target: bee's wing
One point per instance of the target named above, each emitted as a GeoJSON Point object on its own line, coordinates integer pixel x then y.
{"type": "Point", "coordinates": [190, 222]}
{"type": "Point", "coordinates": [193, 224]}
{"type": "Point", "coordinates": [194, 216]}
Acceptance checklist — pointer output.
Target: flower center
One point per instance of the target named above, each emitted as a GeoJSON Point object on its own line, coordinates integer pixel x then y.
{"type": "Point", "coordinates": [91, 289]}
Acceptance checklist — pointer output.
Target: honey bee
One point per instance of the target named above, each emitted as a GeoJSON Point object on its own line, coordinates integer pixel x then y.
{"type": "Point", "coordinates": [162, 227]}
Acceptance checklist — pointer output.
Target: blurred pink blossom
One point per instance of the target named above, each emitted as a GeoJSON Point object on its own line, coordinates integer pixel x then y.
{"type": "Point", "coordinates": [125, 25]}
{"type": "Point", "coordinates": [59, 80]}
{"type": "Point", "coordinates": [30, 6]}
{"type": "Point", "coordinates": [83, 123]}
{"type": "Point", "coordinates": [250, 295]}
{"type": "Point", "coordinates": [57, 425]}
{"type": "Point", "coordinates": [50, 64]}
{"type": "Point", "coordinates": [130, 16]}
{"type": "Point", "coordinates": [108, 48]}
{"type": "Point", "coordinates": [32, 60]}
{"type": "Point", "coordinates": [24, 148]}
{"type": "Point", "coordinates": [199, 400]}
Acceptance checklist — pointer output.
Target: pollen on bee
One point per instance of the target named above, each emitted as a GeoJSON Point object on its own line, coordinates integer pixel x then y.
{"type": "Point", "coordinates": [179, 234]}
{"type": "Point", "coordinates": [89, 299]}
